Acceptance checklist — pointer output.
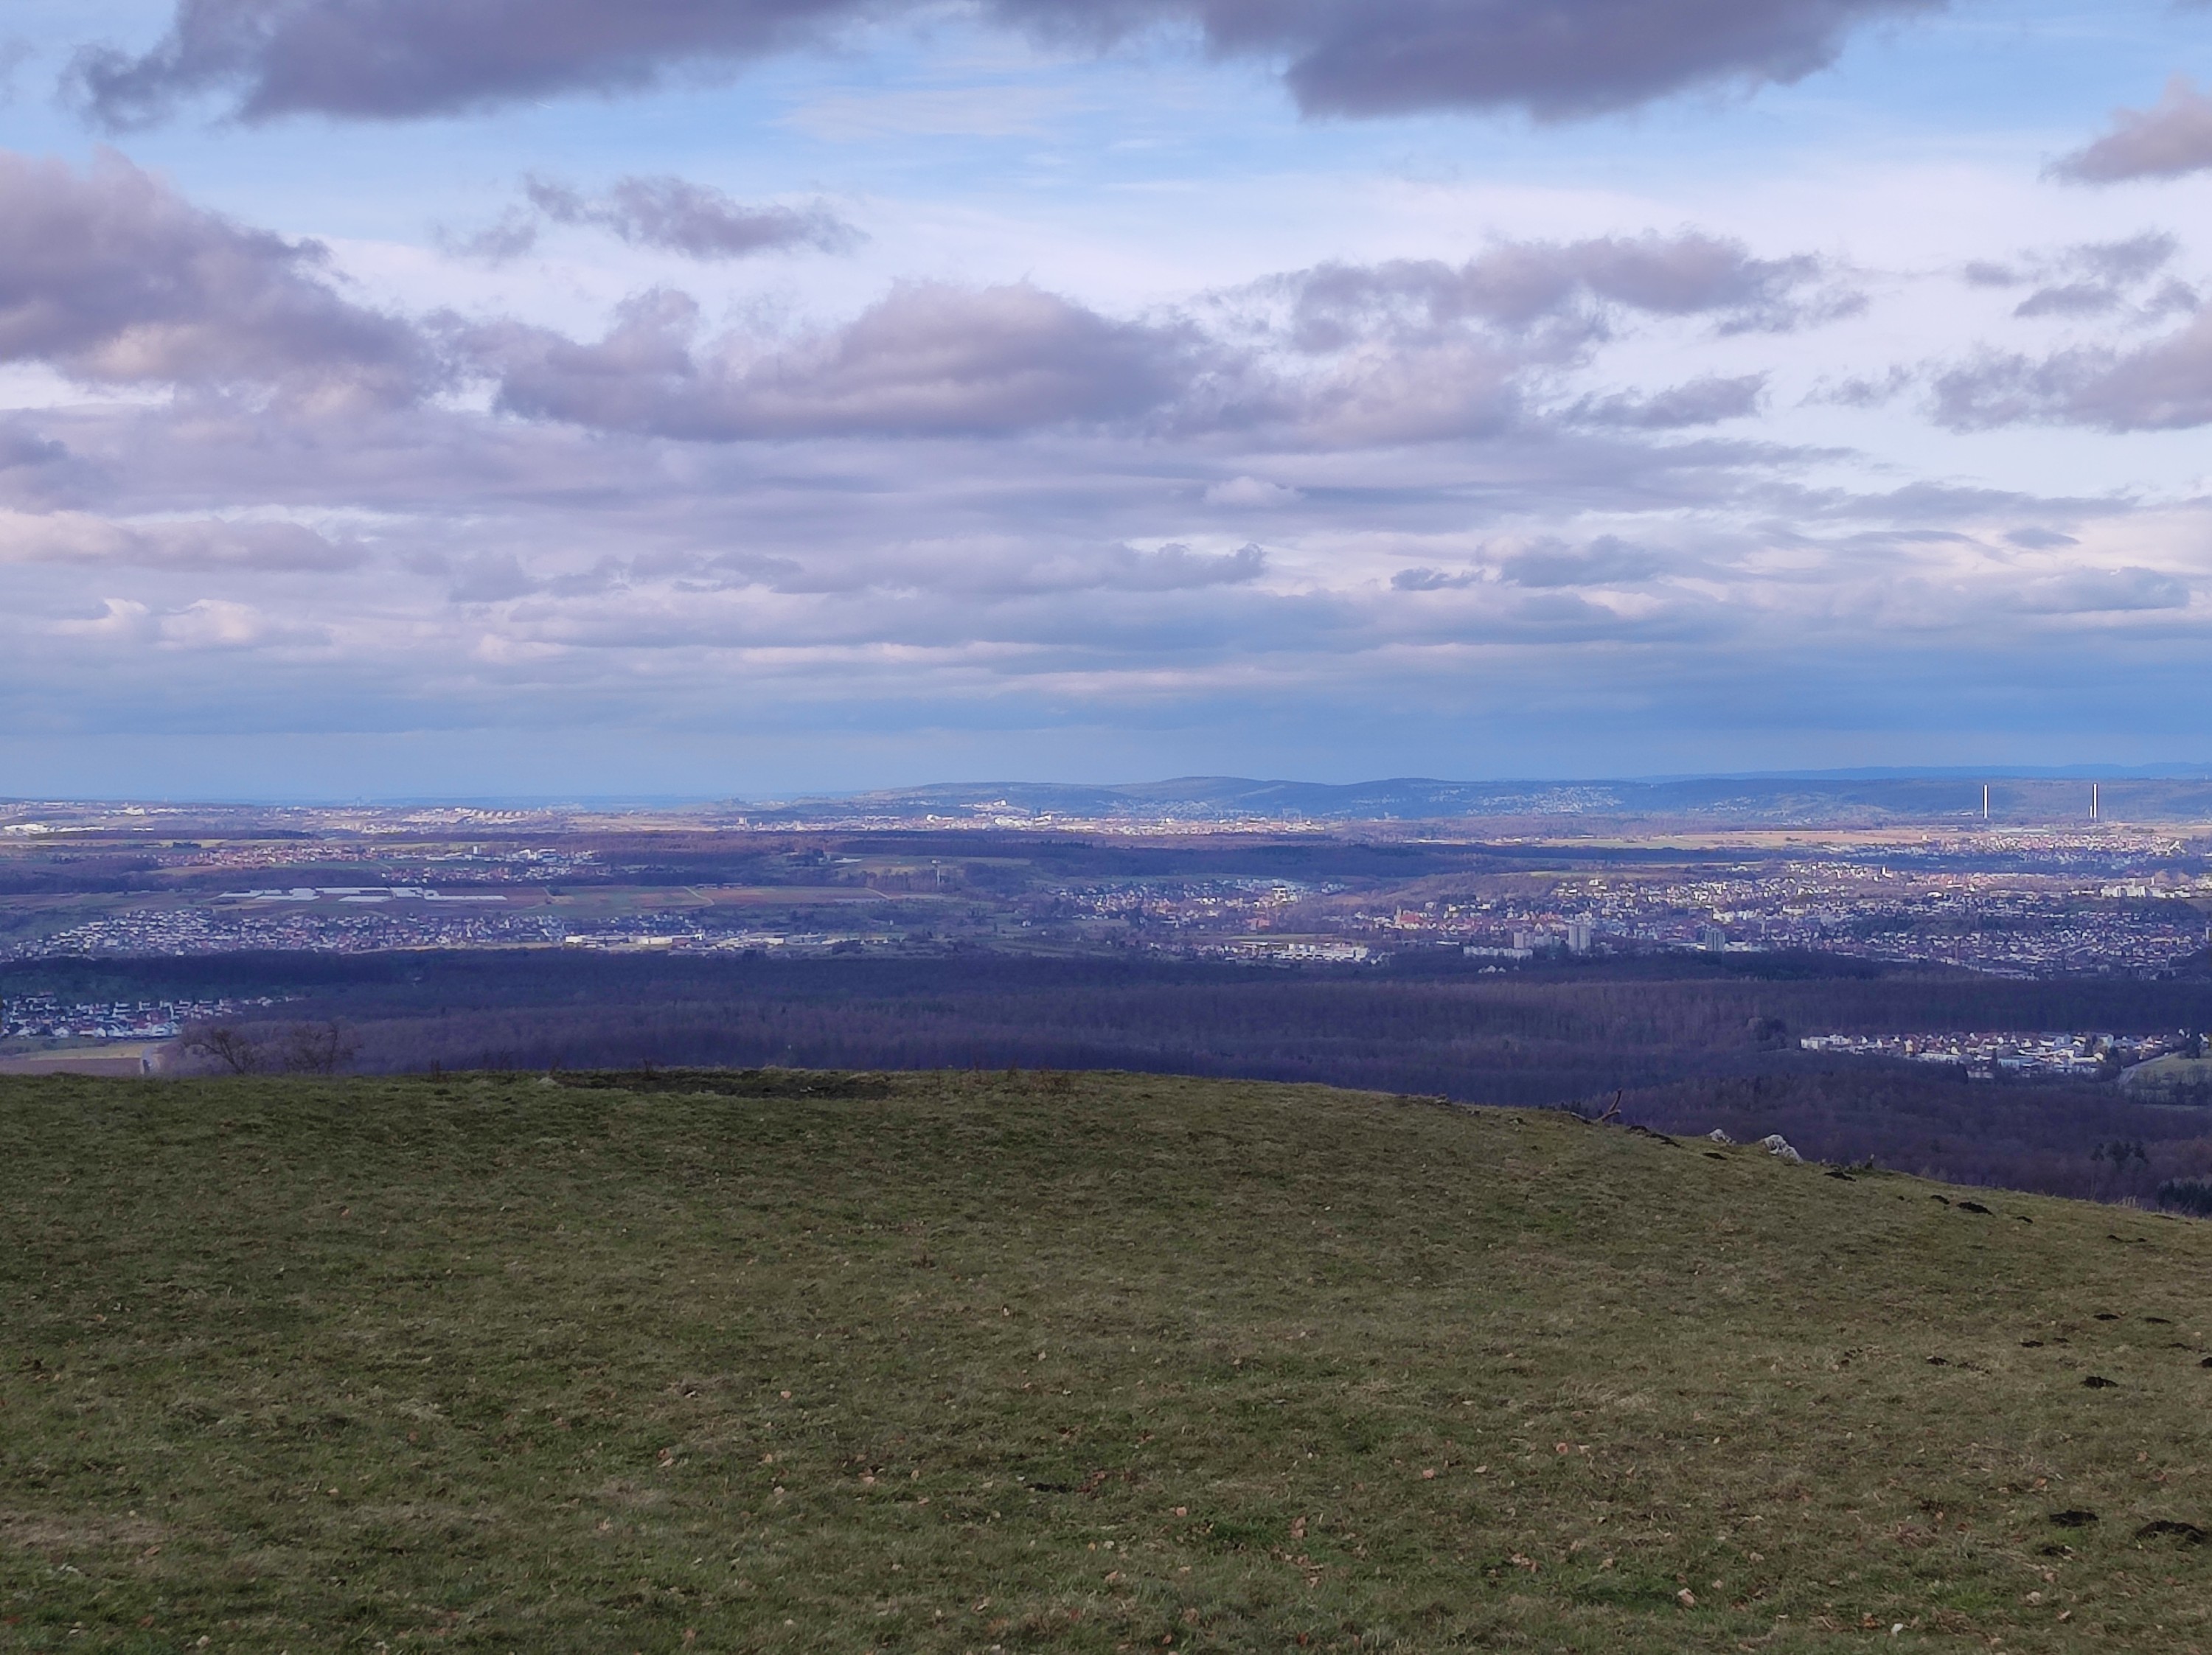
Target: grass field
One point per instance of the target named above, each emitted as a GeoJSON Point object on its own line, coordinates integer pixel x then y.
{"type": "Point", "coordinates": [970, 1363]}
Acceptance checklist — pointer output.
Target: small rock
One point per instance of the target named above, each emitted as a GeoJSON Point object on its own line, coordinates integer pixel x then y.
{"type": "Point", "coordinates": [1719, 1136]}
{"type": "Point", "coordinates": [1778, 1146]}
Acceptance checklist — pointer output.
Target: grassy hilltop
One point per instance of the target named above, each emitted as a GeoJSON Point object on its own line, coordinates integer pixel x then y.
{"type": "Point", "coordinates": [786, 1362]}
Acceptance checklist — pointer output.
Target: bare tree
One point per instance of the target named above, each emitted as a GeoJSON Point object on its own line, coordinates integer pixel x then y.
{"type": "Point", "coordinates": [317, 1048]}
{"type": "Point", "coordinates": [295, 1049]}
{"type": "Point", "coordinates": [227, 1045]}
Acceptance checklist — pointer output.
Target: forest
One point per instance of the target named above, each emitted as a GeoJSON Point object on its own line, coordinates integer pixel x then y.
{"type": "Point", "coordinates": [1685, 1044]}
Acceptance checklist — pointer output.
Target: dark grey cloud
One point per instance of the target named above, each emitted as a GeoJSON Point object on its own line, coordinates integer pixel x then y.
{"type": "Point", "coordinates": [1557, 60]}
{"type": "Point", "coordinates": [668, 214]}
{"type": "Point", "coordinates": [396, 59]}
{"type": "Point", "coordinates": [109, 277]}
{"type": "Point", "coordinates": [2170, 138]}
{"type": "Point", "coordinates": [928, 360]}
{"type": "Point", "coordinates": [1698, 402]}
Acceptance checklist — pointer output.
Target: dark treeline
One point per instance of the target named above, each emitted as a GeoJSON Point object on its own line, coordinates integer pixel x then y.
{"type": "Point", "coordinates": [1694, 1044]}
{"type": "Point", "coordinates": [2096, 1142]}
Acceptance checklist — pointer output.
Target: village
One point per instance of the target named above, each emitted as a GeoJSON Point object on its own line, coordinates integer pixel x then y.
{"type": "Point", "coordinates": [2028, 1056]}
{"type": "Point", "coordinates": [45, 1017]}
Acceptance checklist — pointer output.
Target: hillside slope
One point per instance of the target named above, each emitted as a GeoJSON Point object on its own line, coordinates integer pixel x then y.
{"type": "Point", "coordinates": [791, 1362]}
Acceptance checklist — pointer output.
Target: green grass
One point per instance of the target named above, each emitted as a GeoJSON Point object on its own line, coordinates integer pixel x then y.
{"type": "Point", "coordinates": [1093, 1363]}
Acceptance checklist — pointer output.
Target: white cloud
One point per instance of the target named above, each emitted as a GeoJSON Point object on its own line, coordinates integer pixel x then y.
{"type": "Point", "coordinates": [1255, 493]}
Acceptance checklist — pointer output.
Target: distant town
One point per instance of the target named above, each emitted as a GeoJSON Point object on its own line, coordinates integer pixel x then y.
{"type": "Point", "coordinates": [2035, 1056]}
{"type": "Point", "coordinates": [1499, 893]}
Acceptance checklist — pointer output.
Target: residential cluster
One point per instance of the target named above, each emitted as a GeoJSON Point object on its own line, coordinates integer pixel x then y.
{"type": "Point", "coordinates": [1989, 1056]}
{"type": "Point", "coordinates": [45, 1017]}
{"type": "Point", "coordinates": [1198, 905]}
{"type": "Point", "coordinates": [2010, 922]}
{"type": "Point", "coordinates": [181, 932]}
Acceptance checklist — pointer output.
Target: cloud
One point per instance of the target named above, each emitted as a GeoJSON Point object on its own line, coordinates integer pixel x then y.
{"type": "Point", "coordinates": [1176, 568]}
{"type": "Point", "coordinates": [1524, 285]}
{"type": "Point", "coordinates": [1606, 561]}
{"type": "Point", "coordinates": [109, 277]}
{"type": "Point", "coordinates": [2092, 278]}
{"type": "Point", "coordinates": [1434, 580]}
{"type": "Point", "coordinates": [929, 360]}
{"type": "Point", "coordinates": [207, 623]}
{"type": "Point", "coordinates": [1254, 493]}
{"type": "Point", "coordinates": [121, 620]}
{"type": "Point", "coordinates": [1423, 350]}
{"type": "Point", "coordinates": [2093, 591]}
{"type": "Point", "coordinates": [2070, 298]}
{"type": "Point", "coordinates": [668, 214]}
{"type": "Point", "coordinates": [2170, 138]}
{"type": "Point", "coordinates": [2164, 386]}
{"type": "Point", "coordinates": [221, 623]}
{"type": "Point", "coordinates": [492, 578]}
{"type": "Point", "coordinates": [2133, 258]}
{"type": "Point", "coordinates": [398, 59]}
{"type": "Point", "coordinates": [955, 507]}
{"type": "Point", "coordinates": [22, 449]}
{"type": "Point", "coordinates": [205, 543]}
{"type": "Point", "coordinates": [1699, 402]}
{"type": "Point", "coordinates": [1864, 390]}
{"type": "Point", "coordinates": [1557, 60]}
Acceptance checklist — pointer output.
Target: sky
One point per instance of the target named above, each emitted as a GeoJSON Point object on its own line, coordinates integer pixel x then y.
{"type": "Point", "coordinates": [745, 398]}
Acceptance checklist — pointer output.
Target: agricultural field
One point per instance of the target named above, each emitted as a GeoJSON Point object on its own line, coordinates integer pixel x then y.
{"type": "Point", "coordinates": [778, 1361]}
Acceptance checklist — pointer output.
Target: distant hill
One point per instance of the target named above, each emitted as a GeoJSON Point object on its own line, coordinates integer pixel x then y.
{"type": "Point", "coordinates": [782, 1361]}
{"type": "Point", "coordinates": [1842, 800]}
